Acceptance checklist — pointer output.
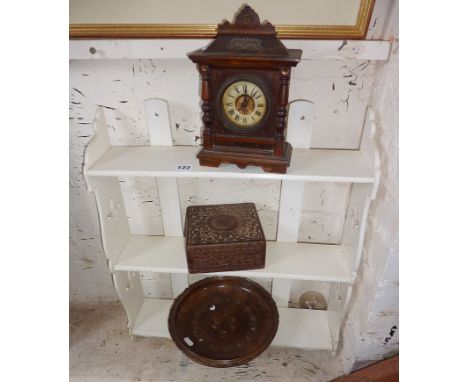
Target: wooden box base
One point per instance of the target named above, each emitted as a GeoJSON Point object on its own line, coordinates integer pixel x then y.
{"type": "Point", "coordinates": [265, 159]}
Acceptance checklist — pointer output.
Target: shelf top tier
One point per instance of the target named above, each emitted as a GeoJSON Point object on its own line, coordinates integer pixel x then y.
{"type": "Point", "coordinates": [310, 165]}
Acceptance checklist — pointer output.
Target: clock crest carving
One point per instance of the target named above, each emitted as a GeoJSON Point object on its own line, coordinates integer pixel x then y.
{"type": "Point", "coordinates": [245, 74]}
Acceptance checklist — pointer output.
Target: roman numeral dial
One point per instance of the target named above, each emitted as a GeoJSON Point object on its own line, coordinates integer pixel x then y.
{"type": "Point", "coordinates": [244, 104]}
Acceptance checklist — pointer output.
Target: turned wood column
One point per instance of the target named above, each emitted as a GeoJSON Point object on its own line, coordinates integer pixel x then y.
{"type": "Point", "coordinates": [206, 106]}
{"type": "Point", "coordinates": [282, 112]}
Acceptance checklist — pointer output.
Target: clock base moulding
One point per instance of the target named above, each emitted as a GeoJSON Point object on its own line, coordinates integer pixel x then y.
{"type": "Point", "coordinates": [217, 155]}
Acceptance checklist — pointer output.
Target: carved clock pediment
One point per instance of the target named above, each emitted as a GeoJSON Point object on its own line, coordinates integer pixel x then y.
{"type": "Point", "coordinates": [247, 36]}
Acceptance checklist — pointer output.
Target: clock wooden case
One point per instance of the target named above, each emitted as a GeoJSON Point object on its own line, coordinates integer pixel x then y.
{"type": "Point", "coordinates": [245, 76]}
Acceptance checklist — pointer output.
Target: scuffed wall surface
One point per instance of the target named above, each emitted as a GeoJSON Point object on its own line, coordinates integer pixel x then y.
{"type": "Point", "coordinates": [371, 329]}
{"type": "Point", "coordinates": [323, 212]}
{"type": "Point", "coordinates": [142, 205]}
{"type": "Point", "coordinates": [339, 90]}
{"type": "Point", "coordinates": [89, 275]}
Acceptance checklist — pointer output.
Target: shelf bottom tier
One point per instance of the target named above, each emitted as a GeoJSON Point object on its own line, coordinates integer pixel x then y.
{"type": "Point", "coordinates": [298, 328]}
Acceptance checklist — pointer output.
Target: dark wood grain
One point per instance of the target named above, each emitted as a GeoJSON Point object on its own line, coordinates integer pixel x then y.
{"type": "Point", "coordinates": [246, 50]}
{"type": "Point", "coordinates": [383, 371]}
{"type": "Point", "coordinates": [224, 237]}
{"type": "Point", "coordinates": [223, 321]}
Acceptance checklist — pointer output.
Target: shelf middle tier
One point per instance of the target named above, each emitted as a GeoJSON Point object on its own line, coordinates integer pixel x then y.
{"type": "Point", "coordinates": [300, 261]}
{"type": "Point", "coordinates": [309, 165]}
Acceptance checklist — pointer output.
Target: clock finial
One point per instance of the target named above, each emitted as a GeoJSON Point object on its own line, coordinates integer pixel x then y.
{"type": "Point", "coordinates": [246, 16]}
{"type": "Point", "coordinates": [246, 21]}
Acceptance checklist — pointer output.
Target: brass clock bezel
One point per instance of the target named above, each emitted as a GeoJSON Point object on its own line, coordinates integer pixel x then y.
{"type": "Point", "coordinates": [219, 102]}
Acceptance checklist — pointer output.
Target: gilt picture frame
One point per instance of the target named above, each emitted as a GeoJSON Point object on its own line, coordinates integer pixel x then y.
{"type": "Point", "coordinates": [295, 19]}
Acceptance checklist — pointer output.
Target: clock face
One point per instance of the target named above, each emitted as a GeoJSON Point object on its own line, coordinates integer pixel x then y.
{"type": "Point", "coordinates": [244, 104]}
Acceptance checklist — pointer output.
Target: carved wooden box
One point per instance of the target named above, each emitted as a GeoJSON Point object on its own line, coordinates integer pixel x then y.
{"type": "Point", "coordinates": [225, 237]}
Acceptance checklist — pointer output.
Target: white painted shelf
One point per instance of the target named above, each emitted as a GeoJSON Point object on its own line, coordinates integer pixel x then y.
{"type": "Point", "coordinates": [299, 328]}
{"type": "Point", "coordinates": [301, 261]}
{"type": "Point", "coordinates": [286, 259]}
{"type": "Point", "coordinates": [307, 165]}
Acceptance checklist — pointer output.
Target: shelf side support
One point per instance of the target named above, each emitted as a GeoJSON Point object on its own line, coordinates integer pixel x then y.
{"type": "Point", "coordinates": [292, 192]}
{"type": "Point", "coordinates": [362, 195]}
{"type": "Point", "coordinates": [159, 127]}
{"type": "Point", "coordinates": [280, 291]}
{"type": "Point", "coordinates": [98, 144]}
{"type": "Point", "coordinates": [158, 122]}
{"type": "Point", "coordinates": [338, 300]}
{"type": "Point", "coordinates": [115, 230]}
{"type": "Point", "coordinates": [168, 192]}
{"type": "Point", "coordinates": [130, 292]}
{"type": "Point", "coordinates": [179, 282]}
{"type": "Point", "coordinates": [355, 226]}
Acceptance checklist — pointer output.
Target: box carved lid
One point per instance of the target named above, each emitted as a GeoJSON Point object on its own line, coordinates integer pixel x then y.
{"type": "Point", "coordinates": [222, 224]}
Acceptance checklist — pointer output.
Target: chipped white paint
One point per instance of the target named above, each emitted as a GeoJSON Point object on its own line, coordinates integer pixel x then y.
{"type": "Point", "coordinates": [323, 212]}
{"type": "Point", "coordinates": [380, 18]}
{"type": "Point", "coordinates": [142, 204]}
{"type": "Point", "coordinates": [178, 48]}
{"type": "Point", "coordinates": [339, 91]}
{"type": "Point", "coordinates": [300, 124]}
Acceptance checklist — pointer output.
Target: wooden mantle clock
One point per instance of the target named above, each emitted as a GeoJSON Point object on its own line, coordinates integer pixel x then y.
{"type": "Point", "coordinates": [245, 75]}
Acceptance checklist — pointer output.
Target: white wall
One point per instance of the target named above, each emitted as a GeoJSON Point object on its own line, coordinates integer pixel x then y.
{"type": "Point", "coordinates": [371, 331]}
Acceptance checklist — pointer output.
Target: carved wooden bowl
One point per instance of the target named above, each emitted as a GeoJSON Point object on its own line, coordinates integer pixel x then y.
{"type": "Point", "coordinates": [223, 321]}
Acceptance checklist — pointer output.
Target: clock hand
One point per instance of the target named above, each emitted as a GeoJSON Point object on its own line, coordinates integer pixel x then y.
{"type": "Point", "coordinates": [244, 102]}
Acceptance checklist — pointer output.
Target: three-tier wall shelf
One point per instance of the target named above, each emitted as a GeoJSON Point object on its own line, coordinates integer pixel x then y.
{"type": "Point", "coordinates": [286, 259]}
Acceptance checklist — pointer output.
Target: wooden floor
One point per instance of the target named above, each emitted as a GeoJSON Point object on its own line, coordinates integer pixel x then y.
{"type": "Point", "coordinates": [383, 371]}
